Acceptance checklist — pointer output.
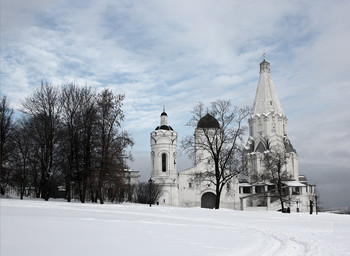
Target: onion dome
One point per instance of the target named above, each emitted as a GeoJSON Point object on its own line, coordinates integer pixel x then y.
{"type": "Point", "coordinates": [208, 121]}
{"type": "Point", "coordinates": [164, 127]}
{"type": "Point", "coordinates": [164, 122]}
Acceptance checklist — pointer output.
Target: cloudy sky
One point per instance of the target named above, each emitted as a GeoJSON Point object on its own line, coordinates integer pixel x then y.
{"type": "Point", "coordinates": [177, 53]}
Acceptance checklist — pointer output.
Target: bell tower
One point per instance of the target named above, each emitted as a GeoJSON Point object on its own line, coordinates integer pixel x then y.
{"type": "Point", "coordinates": [163, 142]}
{"type": "Point", "coordinates": [268, 125]}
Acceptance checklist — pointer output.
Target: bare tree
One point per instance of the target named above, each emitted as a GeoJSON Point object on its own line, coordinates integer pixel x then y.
{"type": "Point", "coordinates": [222, 143]}
{"type": "Point", "coordinates": [44, 109]}
{"type": "Point", "coordinates": [6, 147]}
{"type": "Point", "coordinates": [20, 158]}
{"type": "Point", "coordinates": [69, 148]}
{"type": "Point", "coordinates": [275, 172]}
{"type": "Point", "coordinates": [112, 143]}
{"type": "Point", "coordinates": [149, 193]}
{"type": "Point", "coordinates": [34, 173]}
{"type": "Point", "coordinates": [77, 105]}
{"type": "Point", "coordinates": [88, 140]}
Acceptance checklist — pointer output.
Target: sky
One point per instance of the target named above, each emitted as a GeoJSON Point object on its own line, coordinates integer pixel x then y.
{"type": "Point", "coordinates": [177, 53]}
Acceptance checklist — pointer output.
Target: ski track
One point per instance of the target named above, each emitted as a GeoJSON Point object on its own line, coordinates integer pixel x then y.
{"type": "Point", "coordinates": [283, 242]}
{"type": "Point", "coordinates": [270, 239]}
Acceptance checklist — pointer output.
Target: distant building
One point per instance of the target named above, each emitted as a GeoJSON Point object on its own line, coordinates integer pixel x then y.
{"type": "Point", "coordinates": [267, 129]}
{"type": "Point", "coordinates": [131, 180]}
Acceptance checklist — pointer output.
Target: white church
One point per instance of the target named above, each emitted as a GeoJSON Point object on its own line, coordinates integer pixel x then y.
{"type": "Point", "coordinates": [267, 128]}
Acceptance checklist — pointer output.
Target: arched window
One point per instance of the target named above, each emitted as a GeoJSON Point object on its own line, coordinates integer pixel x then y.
{"type": "Point", "coordinates": [163, 162]}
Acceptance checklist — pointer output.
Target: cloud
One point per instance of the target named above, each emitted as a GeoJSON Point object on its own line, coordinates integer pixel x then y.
{"type": "Point", "coordinates": [176, 53]}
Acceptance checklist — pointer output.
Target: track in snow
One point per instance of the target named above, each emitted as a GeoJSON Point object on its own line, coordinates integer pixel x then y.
{"type": "Point", "coordinates": [59, 228]}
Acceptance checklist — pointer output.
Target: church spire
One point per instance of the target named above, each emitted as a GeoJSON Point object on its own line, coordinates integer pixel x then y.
{"type": "Point", "coordinates": [266, 99]}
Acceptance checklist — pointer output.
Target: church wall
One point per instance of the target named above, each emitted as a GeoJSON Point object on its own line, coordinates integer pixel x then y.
{"type": "Point", "coordinates": [191, 191]}
{"type": "Point", "coordinates": [202, 155]}
{"type": "Point", "coordinates": [270, 127]}
{"type": "Point", "coordinates": [292, 166]}
{"type": "Point", "coordinates": [163, 142]}
{"type": "Point", "coordinates": [170, 192]}
{"type": "Point", "coordinates": [300, 197]}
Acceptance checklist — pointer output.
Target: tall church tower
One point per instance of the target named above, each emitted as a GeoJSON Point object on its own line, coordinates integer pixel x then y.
{"type": "Point", "coordinates": [163, 160]}
{"type": "Point", "coordinates": [268, 125]}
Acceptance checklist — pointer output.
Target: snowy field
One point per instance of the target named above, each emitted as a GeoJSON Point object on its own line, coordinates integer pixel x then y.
{"type": "Point", "coordinates": [33, 227]}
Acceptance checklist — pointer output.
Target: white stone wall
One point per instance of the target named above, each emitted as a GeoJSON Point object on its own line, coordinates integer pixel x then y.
{"type": "Point", "coordinates": [165, 142]}
{"type": "Point", "coordinates": [191, 190]}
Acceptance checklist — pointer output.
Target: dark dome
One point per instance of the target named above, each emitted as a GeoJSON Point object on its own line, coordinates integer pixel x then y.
{"type": "Point", "coordinates": [208, 121]}
{"type": "Point", "coordinates": [164, 114]}
{"type": "Point", "coordinates": [165, 127]}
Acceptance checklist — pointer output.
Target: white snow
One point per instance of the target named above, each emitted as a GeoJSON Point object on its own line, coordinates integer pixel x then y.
{"type": "Point", "coordinates": [34, 227]}
{"type": "Point", "coordinates": [294, 183]}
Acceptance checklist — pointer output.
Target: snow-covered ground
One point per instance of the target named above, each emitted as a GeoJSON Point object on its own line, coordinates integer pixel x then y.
{"type": "Point", "coordinates": [33, 227]}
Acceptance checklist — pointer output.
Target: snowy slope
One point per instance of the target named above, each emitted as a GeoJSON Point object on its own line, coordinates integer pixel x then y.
{"type": "Point", "coordinates": [33, 227]}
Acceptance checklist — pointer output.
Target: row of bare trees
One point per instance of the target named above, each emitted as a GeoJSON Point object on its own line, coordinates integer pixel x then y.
{"type": "Point", "coordinates": [68, 136]}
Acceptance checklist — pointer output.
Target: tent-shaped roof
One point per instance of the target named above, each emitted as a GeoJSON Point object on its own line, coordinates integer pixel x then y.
{"type": "Point", "coordinates": [266, 99]}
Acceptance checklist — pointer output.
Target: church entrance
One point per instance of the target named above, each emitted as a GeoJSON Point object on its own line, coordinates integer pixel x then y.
{"type": "Point", "coordinates": [208, 200]}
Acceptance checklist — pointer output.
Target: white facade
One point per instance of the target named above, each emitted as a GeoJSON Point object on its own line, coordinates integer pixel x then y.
{"type": "Point", "coordinates": [267, 129]}
{"type": "Point", "coordinates": [202, 192]}
{"type": "Point", "coordinates": [183, 189]}
{"type": "Point", "coordinates": [163, 160]}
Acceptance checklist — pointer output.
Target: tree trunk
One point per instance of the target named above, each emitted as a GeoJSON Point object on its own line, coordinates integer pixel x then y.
{"type": "Point", "coordinates": [311, 206]}
{"type": "Point", "coordinates": [282, 204]}
{"type": "Point", "coordinates": [68, 189]}
{"type": "Point", "coordinates": [217, 198]}
{"type": "Point", "coordinates": [218, 183]}
{"type": "Point", "coordinates": [22, 191]}
{"type": "Point", "coordinates": [45, 188]}
{"type": "Point", "coordinates": [100, 195]}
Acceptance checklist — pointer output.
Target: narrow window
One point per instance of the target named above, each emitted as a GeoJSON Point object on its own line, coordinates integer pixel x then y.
{"type": "Point", "coordinates": [190, 185]}
{"type": "Point", "coordinates": [259, 189]}
{"type": "Point", "coordinates": [295, 191]}
{"type": "Point", "coordinates": [270, 187]}
{"type": "Point", "coordinates": [246, 190]}
{"type": "Point", "coordinates": [163, 162]}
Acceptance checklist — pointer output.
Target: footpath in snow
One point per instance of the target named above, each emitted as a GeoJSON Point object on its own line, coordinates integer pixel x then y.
{"type": "Point", "coordinates": [35, 227]}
